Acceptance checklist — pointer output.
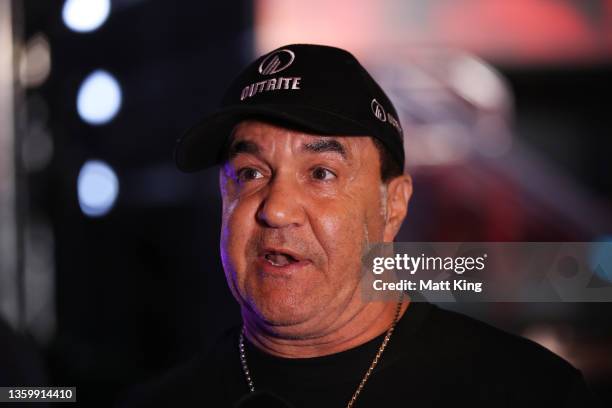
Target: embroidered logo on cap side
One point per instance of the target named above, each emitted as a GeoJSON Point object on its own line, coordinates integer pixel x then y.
{"type": "Point", "coordinates": [276, 62]}
{"type": "Point", "coordinates": [378, 110]}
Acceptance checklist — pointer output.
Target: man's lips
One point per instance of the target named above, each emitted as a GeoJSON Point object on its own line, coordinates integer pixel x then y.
{"type": "Point", "coordinates": [281, 260]}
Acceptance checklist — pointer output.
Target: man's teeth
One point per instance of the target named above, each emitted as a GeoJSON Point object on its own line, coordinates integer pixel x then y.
{"type": "Point", "coordinates": [279, 259]}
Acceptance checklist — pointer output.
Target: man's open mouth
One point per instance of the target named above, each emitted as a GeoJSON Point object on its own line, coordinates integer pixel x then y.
{"type": "Point", "coordinates": [279, 258]}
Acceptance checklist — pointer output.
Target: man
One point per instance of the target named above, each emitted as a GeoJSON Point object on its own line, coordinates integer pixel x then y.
{"type": "Point", "coordinates": [311, 155]}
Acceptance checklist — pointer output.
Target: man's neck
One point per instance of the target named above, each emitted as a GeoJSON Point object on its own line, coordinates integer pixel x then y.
{"type": "Point", "coordinates": [370, 322]}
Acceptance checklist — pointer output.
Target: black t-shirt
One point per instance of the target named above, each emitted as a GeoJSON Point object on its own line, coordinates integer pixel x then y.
{"type": "Point", "coordinates": [435, 358]}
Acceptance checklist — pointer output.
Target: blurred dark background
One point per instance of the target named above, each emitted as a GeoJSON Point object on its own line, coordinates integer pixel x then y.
{"type": "Point", "coordinates": [117, 276]}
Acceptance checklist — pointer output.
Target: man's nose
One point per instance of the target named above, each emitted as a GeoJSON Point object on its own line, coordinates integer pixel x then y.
{"type": "Point", "coordinates": [281, 206]}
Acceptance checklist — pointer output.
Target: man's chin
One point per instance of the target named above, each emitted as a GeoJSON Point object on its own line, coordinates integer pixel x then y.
{"type": "Point", "coordinates": [279, 315]}
{"type": "Point", "coordinates": [282, 302]}
{"type": "Point", "coordinates": [283, 314]}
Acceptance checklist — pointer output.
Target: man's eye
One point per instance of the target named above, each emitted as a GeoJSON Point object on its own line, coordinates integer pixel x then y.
{"type": "Point", "coordinates": [248, 174]}
{"type": "Point", "coordinates": [323, 174]}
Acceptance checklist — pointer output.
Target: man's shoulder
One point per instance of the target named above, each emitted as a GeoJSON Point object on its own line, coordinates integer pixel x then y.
{"type": "Point", "coordinates": [467, 352]}
{"type": "Point", "coordinates": [195, 381]}
{"type": "Point", "coordinates": [481, 342]}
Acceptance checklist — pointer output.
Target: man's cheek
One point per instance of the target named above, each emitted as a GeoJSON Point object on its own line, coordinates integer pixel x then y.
{"type": "Point", "coordinates": [241, 225]}
{"type": "Point", "coordinates": [229, 233]}
{"type": "Point", "coordinates": [342, 231]}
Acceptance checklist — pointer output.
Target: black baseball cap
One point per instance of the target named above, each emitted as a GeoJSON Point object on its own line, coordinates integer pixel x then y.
{"type": "Point", "coordinates": [316, 88]}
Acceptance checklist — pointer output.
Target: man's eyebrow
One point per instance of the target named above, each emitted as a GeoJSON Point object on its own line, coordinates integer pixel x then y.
{"type": "Point", "coordinates": [243, 146]}
{"type": "Point", "coordinates": [326, 145]}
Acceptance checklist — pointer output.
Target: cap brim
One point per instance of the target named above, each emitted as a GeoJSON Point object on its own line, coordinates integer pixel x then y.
{"type": "Point", "coordinates": [202, 146]}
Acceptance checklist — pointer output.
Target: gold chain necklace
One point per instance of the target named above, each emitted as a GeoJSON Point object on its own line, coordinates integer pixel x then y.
{"type": "Point", "coordinates": [251, 384]}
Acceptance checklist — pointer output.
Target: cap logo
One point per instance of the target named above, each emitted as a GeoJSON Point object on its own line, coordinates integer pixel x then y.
{"type": "Point", "coordinates": [378, 110]}
{"type": "Point", "coordinates": [276, 62]}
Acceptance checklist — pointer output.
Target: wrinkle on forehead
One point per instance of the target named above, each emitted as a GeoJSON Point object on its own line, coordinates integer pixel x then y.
{"type": "Point", "coordinates": [271, 138]}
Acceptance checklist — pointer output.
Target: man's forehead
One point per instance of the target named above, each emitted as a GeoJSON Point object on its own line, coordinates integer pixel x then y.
{"type": "Point", "coordinates": [260, 133]}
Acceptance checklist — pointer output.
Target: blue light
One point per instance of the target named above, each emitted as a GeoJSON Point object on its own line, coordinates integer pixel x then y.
{"type": "Point", "coordinates": [97, 188]}
{"type": "Point", "coordinates": [85, 15]}
{"type": "Point", "coordinates": [601, 257]}
{"type": "Point", "coordinates": [99, 98]}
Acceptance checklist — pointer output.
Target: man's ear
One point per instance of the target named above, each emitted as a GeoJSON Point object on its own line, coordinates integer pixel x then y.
{"type": "Point", "coordinates": [399, 191]}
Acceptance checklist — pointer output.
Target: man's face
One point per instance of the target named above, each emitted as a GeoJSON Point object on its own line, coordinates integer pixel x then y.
{"type": "Point", "coordinates": [298, 213]}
